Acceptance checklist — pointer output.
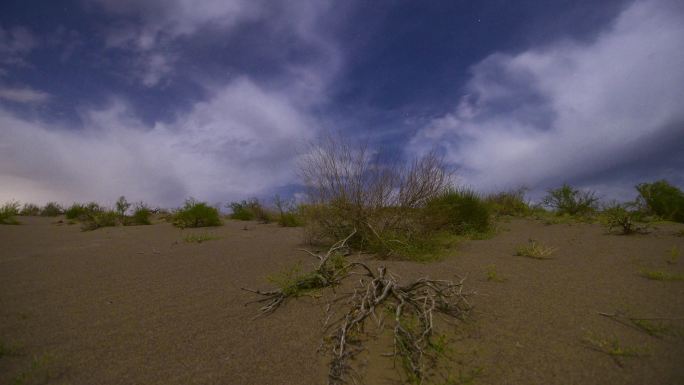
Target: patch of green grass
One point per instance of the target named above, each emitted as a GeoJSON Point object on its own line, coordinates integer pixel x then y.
{"type": "Point", "coordinates": [295, 283]}
{"type": "Point", "coordinates": [199, 238]}
{"type": "Point", "coordinates": [534, 249]}
{"type": "Point", "coordinates": [8, 350]}
{"type": "Point", "coordinates": [673, 255]}
{"type": "Point", "coordinates": [51, 209]}
{"type": "Point", "coordinates": [8, 211]}
{"type": "Point", "coordinates": [30, 209]}
{"type": "Point", "coordinates": [660, 275]}
{"type": "Point", "coordinates": [141, 215]}
{"type": "Point", "coordinates": [613, 348]}
{"type": "Point", "coordinates": [493, 275]}
{"type": "Point", "coordinates": [37, 372]}
{"type": "Point", "coordinates": [510, 203]}
{"type": "Point", "coordinates": [97, 219]}
{"type": "Point", "coordinates": [652, 327]}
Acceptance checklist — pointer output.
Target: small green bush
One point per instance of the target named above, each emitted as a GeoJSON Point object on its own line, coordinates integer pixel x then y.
{"type": "Point", "coordinates": [289, 215]}
{"type": "Point", "coordinates": [52, 209]}
{"type": "Point", "coordinates": [662, 199]}
{"type": "Point", "coordinates": [29, 209]}
{"type": "Point", "coordinates": [196, 214]}
{"type": "Point", "coordinates": [93, 220]}
{"type": "Point", "coordinates": [78, 210]}
{"type": "Point", "coordinates": [248, 210]}
{"type": "Point", "coordinates": [619, 216]}
{"type": "Point", "coordinates": [510, 202]}
{"type": "Point", "coordinates": [8, 211]}
{"type": "Point", "coordinates": [141, 215]}
{"type": "Point", "coordinates": [122, 206]}
{"type": "Point", "coordinates": [458, 211]}
{"type": "Point", "coordinates": [571, 201]}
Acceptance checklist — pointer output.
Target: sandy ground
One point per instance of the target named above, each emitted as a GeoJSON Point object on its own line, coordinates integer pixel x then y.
{"type": "Point", "coordinates": [138, 305]}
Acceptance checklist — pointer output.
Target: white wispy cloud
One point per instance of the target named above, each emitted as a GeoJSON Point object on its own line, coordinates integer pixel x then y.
{"type": "Point", "coordinates": [568, 110]}
{"type": "Point", "coordinates": [15, 43]}
{"type": "Point", "coordinates": [240, 142]}
{"type": "Point", "coordinates": [23, 95]}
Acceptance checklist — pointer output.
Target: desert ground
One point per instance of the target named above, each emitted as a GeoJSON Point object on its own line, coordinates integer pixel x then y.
{"type": "Point", "coordinates": [140, 305]}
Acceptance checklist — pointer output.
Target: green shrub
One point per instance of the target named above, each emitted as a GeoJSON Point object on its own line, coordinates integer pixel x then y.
{"type": "Point", "coordinates": [94, 219]}
{"type": "Point", "coordinates": [141, 215]}
{"type": "Point", "coordinates": [8, 211]}
{"type": "Point", "coordinates": [52, 209]}
{"type": "Point", "coordinates": [78, 210]}
{"type": "Point", "coordinates": [29, 209]}
{"type": "Point", "coordinates": [289, 215]}
{"type": "Point", "coordinates": [458, 211]}
{"type": "Point", "coordinates": [122, 206]}
{"type": "Point", "coordinates": [510, 202]}
{"type": "Point", "coordinates": [621, 217]}
{"type": "Point", "coordinates": [663, 199]}
{"type": "Point", "coordinates": [196, 214]}
{"type": "Point", "coordinates": [571, 201]}
{"type": "Point", "coordinates": [248, 210]}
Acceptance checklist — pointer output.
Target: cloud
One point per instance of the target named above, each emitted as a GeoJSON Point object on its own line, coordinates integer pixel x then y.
{"type": "Point", "coordinates": [242, 141]}
{"type": "Point", "coordinates": [23, 95]}
{"type": "Point", "coordinates": [570, 111]}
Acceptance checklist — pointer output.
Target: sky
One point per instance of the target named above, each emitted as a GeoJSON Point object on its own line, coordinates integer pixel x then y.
{"type": "Point", "coordinates": [160, 100]}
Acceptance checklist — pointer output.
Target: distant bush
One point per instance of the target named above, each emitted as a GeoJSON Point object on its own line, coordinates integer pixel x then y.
{"type": "Point", "coordinates": [8, 211]}
{"type": "Point", "coordinates": [459, 212]}
{"type": "Point", "coordinates": [52, 209]}
{"type": "Point", "coordinates": [289, 214]}
{"type": "Point", "coordinates": [122, 206]}
{"type": "Point", "coordinates": [248, 210]}
{"type": "Point", "coordinates": [620, 216]}
{"type": "Point", "coordinates": [79, 210]}
{"type": "Point", "coordinates": [662, 199]}
{"type": "Point", "coordinates": [29, 209]}
{"type": "Point", "coordinates": [571, 201]}
{"type": "Point", "coordinates": [95, 219]}
{"type": "Point", "coordinates": [196, 214]}
{"type": "Point", "coordinates": [510, 202]}
{"type": "Point", "coordinates": [141, 215]}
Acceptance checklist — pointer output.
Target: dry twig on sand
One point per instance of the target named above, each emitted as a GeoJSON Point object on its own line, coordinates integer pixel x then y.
{"type": "Point", "coordinates": [413, 307]}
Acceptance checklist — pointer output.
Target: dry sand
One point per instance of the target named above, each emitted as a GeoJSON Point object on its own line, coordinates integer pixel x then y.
{"type": "Point", "coordinates": [138, 305]}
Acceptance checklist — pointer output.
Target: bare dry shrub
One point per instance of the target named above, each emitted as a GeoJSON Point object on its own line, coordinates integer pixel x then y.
{"type": "Point", "coordinates": [349, 187]}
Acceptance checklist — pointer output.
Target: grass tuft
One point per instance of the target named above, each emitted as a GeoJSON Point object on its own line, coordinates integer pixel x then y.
{"type": "Point", "coordinates": [493, 275]}
{"type": "Point", "coordinates": [8, 212]}
{"type": "Point", "coordinates": [660, 275]}
{"type": "Point", "coordinates": [196, 214]}
{"type": "Point", "coordinates": [613, 348]}
{"type": "Point", "coordinates": [534, 249]}
{"type": "Point", "coordinates": [199, 238]}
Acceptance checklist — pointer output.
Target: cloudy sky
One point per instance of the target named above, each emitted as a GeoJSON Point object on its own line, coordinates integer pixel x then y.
{"type": "Point", "coordinates": [160, 100]}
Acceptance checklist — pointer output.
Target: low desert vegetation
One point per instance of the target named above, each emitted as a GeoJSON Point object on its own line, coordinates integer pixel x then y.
{"type": "Point", "coordinates": [141, 215]}
{"type": "Point", "coordinates": [8, 212]}
{"type": "Point", "coordinates": [662, 199]}
{"type": "Point", "coordinates": [612, 347]}
{"type": "Point", "coordinates": [402, 210]}
{"type": "Point", "coordinates": [412, 306]}
{"type": "Point", "coordinates": [661, 275]}
{"type": "Point", "coordinates": [534, 249]}
{"type": "Point", "coordinates": [673, 255]}
{"type": "Point", "coordinates": [52, 209]}
{"type": "Point", "coordinates": [199, 238]}
{"type": "Point", "coordinates": [289, 213]}
{"type": "Point", "coordinates": [29, 210]}
{"type": "Point", "coordinates": [509, 203]}
{"type": "Point", "coordinates": [493, 275]}
{"type": "Point", "coordinates": [571, 201]}
{"type": "Point", "coordinates": [196, 214]}
{"type": "Point", "coordinates": [249, 210]}
{"type": "Point", "coordinates": [623, 218]}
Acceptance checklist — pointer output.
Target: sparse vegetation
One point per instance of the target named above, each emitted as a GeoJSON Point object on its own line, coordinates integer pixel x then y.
{"type": "Point", "coordinates": [39, 371]}
{"type": "Point", "coordinates": [569, 200]}
{"type": "Point", "coordinates": [534, 249]}
{"type": "Point", "coordinates": [289, 215]}
{"type": "Point", "coordinates": [29, 209]}
{"type": "Point", "coordinates": [457, 212]}
{"type": "Point", "coordinates": [122, 207]}
{"type": "Point", "coordinates": [141, 215]}
{"type": "Point", "coordinates": [199, 238]}
{"type": "Point", "coordinates": [663, 199]}
{"type": "Point", "coordinates": [493, 275]}
{"type": "Point", "coordinates": [249, 210]}
{"type": "Point", "coordinates": [196, 214]}
{"type": "Point", "coordinates": [619, 216]}
{"type": "Point", "coordinates": [613, 348]}
{"type": "Point", "coordinates": [95, 219]}
{"type": "Point", "coordinates": [52, 209]}
{"type": "Point", "coordinates": [510, 203]}
{"type": "Point", "coordinates": [8, 212]}
{"type": "Point", "coordinates": [673, 255]}
{"type": "Point", "coordinates": [660, 275]}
